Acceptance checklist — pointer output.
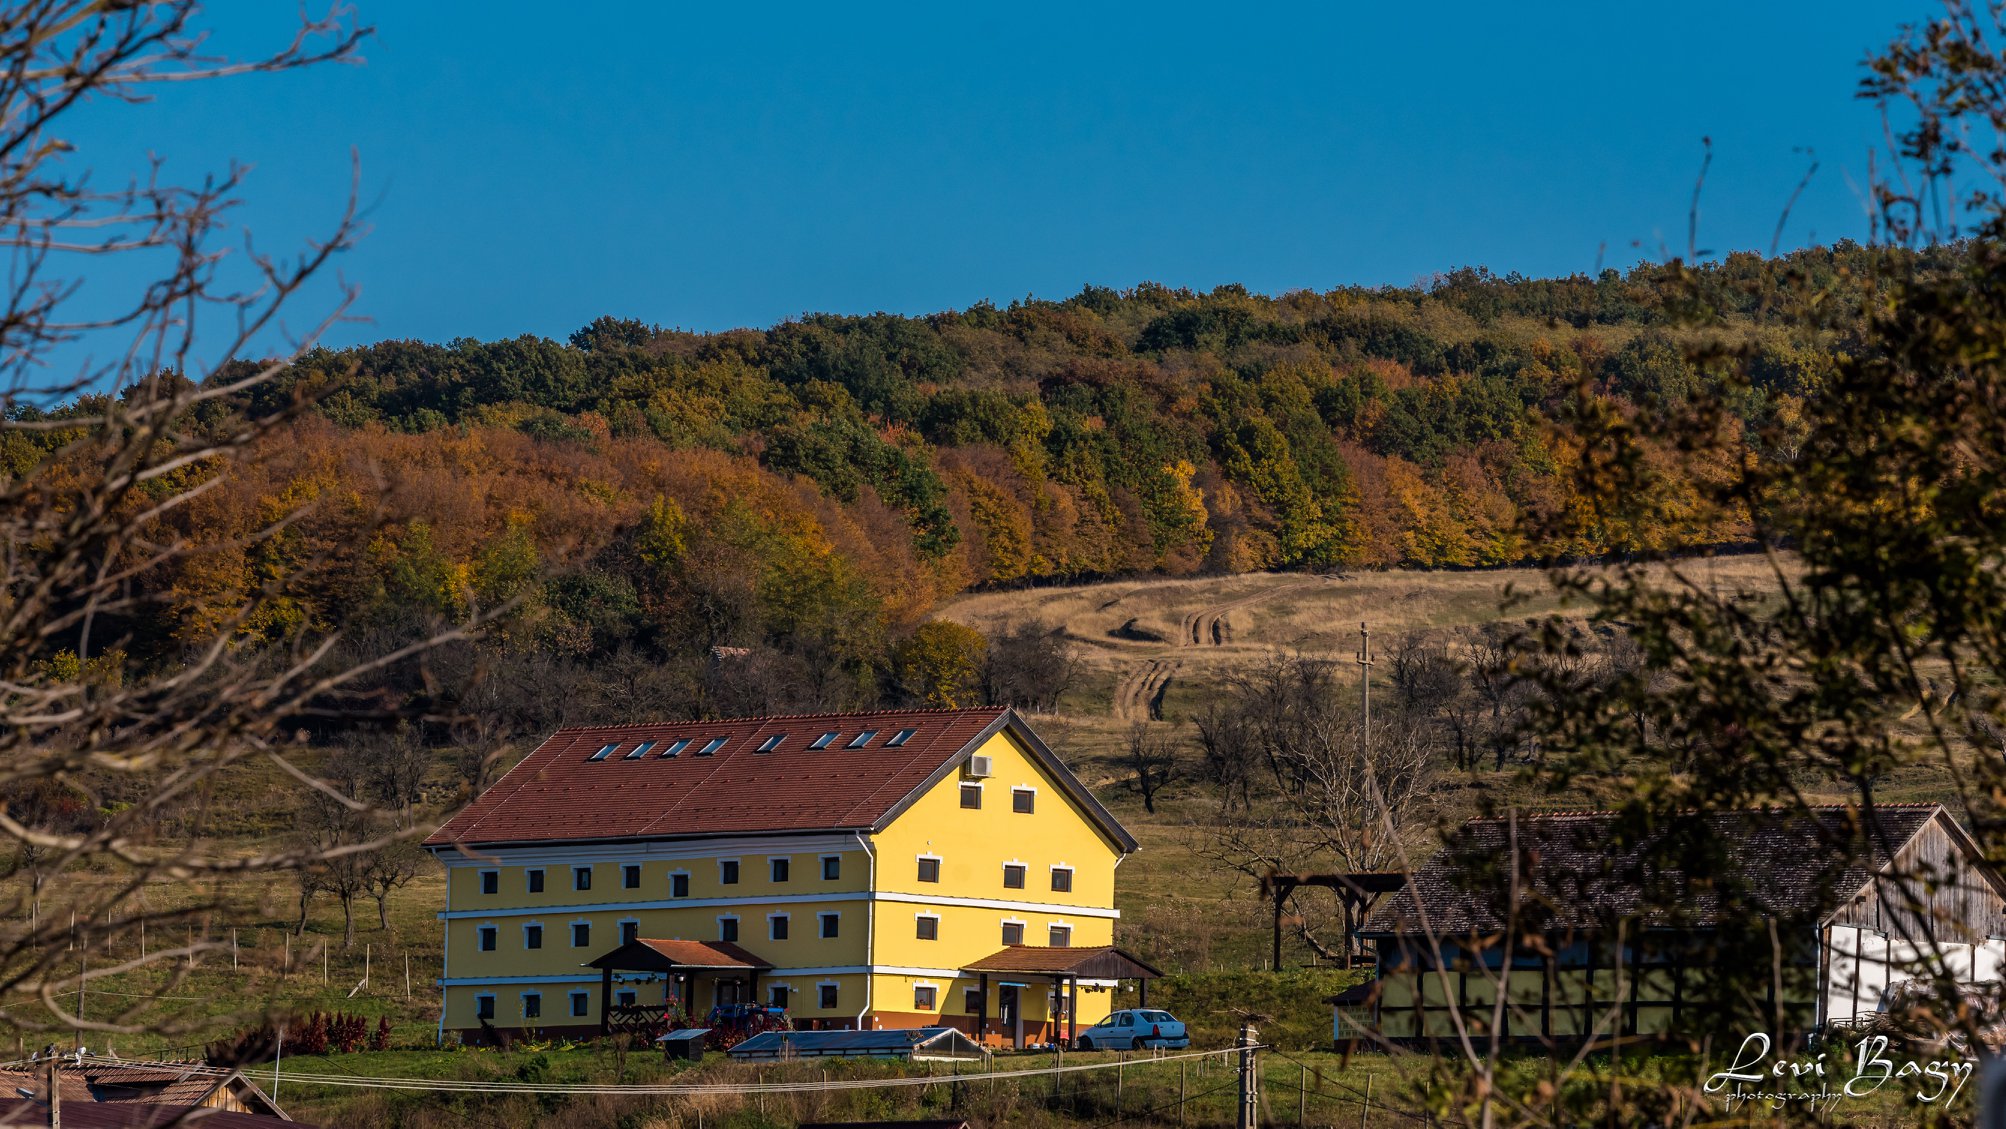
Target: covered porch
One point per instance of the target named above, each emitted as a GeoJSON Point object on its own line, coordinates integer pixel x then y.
{"type": "Point", "coordinates": [1060, 968]}
{"type": "Point", "coordinates": [734, 973]}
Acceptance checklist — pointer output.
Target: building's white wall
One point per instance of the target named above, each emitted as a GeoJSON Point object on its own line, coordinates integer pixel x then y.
{"type": "Point", "coordinates": [1863, 964]}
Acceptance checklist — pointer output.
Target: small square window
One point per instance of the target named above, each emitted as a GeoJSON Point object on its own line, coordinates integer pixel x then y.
{"type": "Point", "coordinates": [604, 752]}
{"type": "Point", "coordinates": [712, 746]}
{"type": "Point", "coordinates": [861, 739]}
{"type": "Point", "coordinates": [487, 935]}
{"type": "Point", "coordinates": [923, 997]}
{"type": "Point", "coordinates": [1062, 936]}
{"type": "Point", "coordinates": [484, 1007]}
{"type": "Point", "coordinates": [640, 750]}
{"type": "Point", "coordinates": [822, 742]}
{"type": "Point", "coordinates": [580, 1003]}
{"type": "Point", "coordinates": [825, 995]}
{"type": "Point", "coordinates": [534, 880]}
{"type": "Point", "coordinates": [581, 935]}
{"type": "Point", "coordinates": [628, 931]}
{"type": "Point", "coordinates": [676, 747]}
{"type": "Point", "coordinates": [532, 1005]}
{"type": "Point", "coordinates": [971, 795]}
{"type": "Point", "coordinates": [971, 1000]}
{"type": "Point", "coordinates": [772, 743]}
{"type": "Point", "coordinates": [776, 996]}
{"type": "Point", "coordinates": [581, 878]}
{"type": "Point", "coordinates": [625, 997]}
{"type": "Point", "coordinates": [630, 876]}
{"type": "Point", "coordinates": [779, 868]}
{"type": "Point", "coordinates": [832, 868]}
{"type": "Point", "coordinates": [831, 922]}
{"type": "Point", "coordinates": [679, 885]}
{"type": "Point", "coordinates": [727, 929]}
{"type": "Point", "coordinates": [928, 928]}
{"type": "Point", "coordinates": [727, 872]}
{"type": "Point", "coordinates": [1013, 876]}
{"type": "Point", "coordinates": [776, 928]}
{"type": "Point", "coordinates": [1013, 932]}
{"type": "Point", "coordinates": [900, 738]}
{"type": "Point", "coordinates": [532, 936]}
{"type": "Point", "coordinates": [929, 870]}
{"type": "Point", "coordinates": [1023, 801]}
{"type": "Point", "coordinates": [490, 882]}
{"type": "Point", "coordinates": [1062, 879]}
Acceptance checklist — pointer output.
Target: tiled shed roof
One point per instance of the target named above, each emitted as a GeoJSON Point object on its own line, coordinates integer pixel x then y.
{"type": "Point", "coordinates": [740, 776]}
{"type": "Point", "coordinates": [1581, 870]}
{"type": "Point", "coordinates": [646, 954]}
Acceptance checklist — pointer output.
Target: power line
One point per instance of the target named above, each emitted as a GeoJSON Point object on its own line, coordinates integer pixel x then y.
{"type": "Point", "coordinates": [1358, 1095]}
{"type": "Point", "coordinates": [1169, 1105]}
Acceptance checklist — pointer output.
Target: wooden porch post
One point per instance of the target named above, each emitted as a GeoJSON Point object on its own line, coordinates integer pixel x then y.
{"type": "Point", "coordinates": [1142, 991]}
{"type": "Point", "coordinates": [606, 1001]}
{"type": "Point", "coordinates": [1072, 1010]}
{"type": "Point", "coordinates": [982, 1009]}
{"type": "Point", "coordinates": [1278, 926]}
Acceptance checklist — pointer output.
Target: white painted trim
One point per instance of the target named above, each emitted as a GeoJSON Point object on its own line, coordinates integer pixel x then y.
{"type": "Point", "coordinates": [529, 870]}
{"type": "Point", "coordinates": [737, 925]}
{"type": "Point", "coordinates": [478, 947]}
{"type": "Point", "coordinates": [752, 901]}
{"type": "Point", "coordinates": [822, 868]}
{"type": "Point", "coordinates": [825, 971]}
{"type": "Point", "coordinates": [561, 854]}
{"type": "Point", "coordinates": [739, 864]}
{"type": "Point", "coordinates": [639, 875]}
{"type": "Point", "coordinates": [541, 941]}
{"type": "Point", "coordinates": [777, 916]}
{"type": "Point", "coordinates": [483, 881]}
{"type": "Point", "coordinates": [571, 933]}
{"type": "Point", "coordinates": [591, 870]}
{"type": "Point", "coordinates": [821, 932]}
{"type": "Point", "coordinates": [1032, 789]}
{"type": "Point", "coordinates": [770, 860]}
{"type": "Point", "coordinates": [672, 886]}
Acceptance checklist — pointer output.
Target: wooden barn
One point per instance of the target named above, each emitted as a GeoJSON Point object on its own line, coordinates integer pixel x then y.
{"type": "Point", "coordinates": [1577, 927]}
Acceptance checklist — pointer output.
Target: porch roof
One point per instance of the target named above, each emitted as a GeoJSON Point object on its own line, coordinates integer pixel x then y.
{"type": "Point", "coordinates": [646, 954]}
{"type": "Point", "coordinates": [1090, 962]}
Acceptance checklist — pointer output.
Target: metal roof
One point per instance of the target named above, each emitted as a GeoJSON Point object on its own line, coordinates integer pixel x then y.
{"type": "Point", "coordinates": [732, 777]}
{"type": "Point", "coordinates": [904, 1042]}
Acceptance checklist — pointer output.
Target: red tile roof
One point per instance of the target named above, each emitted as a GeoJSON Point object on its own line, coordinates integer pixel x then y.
{"type": "Point", "coordinates": [647, 954]}
{"type": "Point", "coordinates": [559, 793]}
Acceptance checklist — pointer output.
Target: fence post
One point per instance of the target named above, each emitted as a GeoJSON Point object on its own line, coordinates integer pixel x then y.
{"type": "Point", "coordinates": [1250, 1079]}
{"type": "Point", "coordinates": [1302, 1097]}
{"type": "Point", "coordinates": [407, 976]}
{"type": "Point", "coordinates": [233, 948]}
{"type": "Point", "coordinates": [1180, 1093]}
{"type": "Point", "coordinates": [1365, 1109]}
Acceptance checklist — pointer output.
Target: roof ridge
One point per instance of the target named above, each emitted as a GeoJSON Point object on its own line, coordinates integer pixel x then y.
{"type": "Point", "coordinates": [1585, 813]}
{"type": "Point", "coordinates": [930, 711]}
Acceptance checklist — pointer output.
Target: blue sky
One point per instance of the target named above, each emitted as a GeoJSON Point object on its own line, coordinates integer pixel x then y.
{"type": "Point", "coordinates": [535, 166]}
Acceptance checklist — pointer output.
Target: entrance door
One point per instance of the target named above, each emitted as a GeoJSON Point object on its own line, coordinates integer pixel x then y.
{"type": "Point", "coordinates": [727, 992]}
{"type": "Point", "coordinates": [1012, 1015]}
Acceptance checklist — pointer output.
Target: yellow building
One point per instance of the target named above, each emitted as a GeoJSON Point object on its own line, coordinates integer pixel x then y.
{"type": "Point", "coordinates": [849, 867]}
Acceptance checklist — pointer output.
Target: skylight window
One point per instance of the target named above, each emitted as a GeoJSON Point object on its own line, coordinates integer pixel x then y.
{"type": "Point", "coordinates": [861, 739]}
{"type": "Point", "coordinates": [822, 742]}
{"type": "Point", "coordinates": [640, 750]}
{"type": "Point", "coordinates": [900, 738]}
{"type": "Point", "coordinates": [716, 743]}
{"type": "Point", "coordinates": [676, 747]}
{"type": "Point", "coordinates": [604, 751]}
{"type": "Point", "coordinates": [772, 743]}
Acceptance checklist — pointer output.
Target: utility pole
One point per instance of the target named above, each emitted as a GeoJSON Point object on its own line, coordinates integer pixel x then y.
{"type": "Point", "coordinates": [1250, 1079]}
{"type": "Point", "coordinates": [1365, 689]}
{"type": "Point", "coordinates": [55, 1091]}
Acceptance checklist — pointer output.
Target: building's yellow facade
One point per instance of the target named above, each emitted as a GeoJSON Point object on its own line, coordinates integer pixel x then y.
{"type": "Point", "coordinates": [865, 927]}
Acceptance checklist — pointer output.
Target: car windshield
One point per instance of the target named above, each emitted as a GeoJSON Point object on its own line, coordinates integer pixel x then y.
{"type": "Point", "coordinates": [1159, 1017]}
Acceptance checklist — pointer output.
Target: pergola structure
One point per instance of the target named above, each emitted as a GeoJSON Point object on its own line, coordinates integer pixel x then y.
{"type": "Point", "coordinates": [680, 961]}
{"type": "Point", "coordinates": [1060, 965]}
{"type": "Point", "coordinates": [1358, 891]}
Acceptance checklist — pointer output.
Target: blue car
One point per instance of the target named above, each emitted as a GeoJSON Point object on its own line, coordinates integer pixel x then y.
{"type": "Point", "coordinates": [1136, 1029]}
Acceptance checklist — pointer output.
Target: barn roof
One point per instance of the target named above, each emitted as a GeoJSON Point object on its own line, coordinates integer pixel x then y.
{"type": "Point", "coordinates": [757, 775]}
{"type": "Point", "coordinates": [1583, 870]}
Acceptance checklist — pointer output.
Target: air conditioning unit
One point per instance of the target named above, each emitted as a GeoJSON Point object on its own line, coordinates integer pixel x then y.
{"type": "Point", "coordinates": [979, 768]}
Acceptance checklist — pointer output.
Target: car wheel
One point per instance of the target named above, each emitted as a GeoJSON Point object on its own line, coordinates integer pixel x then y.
{"type": "Point", "coordinates": [1084, 1044]}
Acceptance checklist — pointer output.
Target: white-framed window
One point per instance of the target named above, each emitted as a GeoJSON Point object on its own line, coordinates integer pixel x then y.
{"type": "Point", "coordinates": [484, 1005]}
{"type": "Point", "coordinates": [776, 995]}
{"type": "Point", "coordinates": [925, 997]}
{"type": "Point", "coordinates": [772, 743]}
{"type": "Point", "coordinates": [581, 877]}
{"type": "Point", "coordinates": [926, 926]}
{"type": "Point", "coordinates": [971, 1001]}
{"type": "Point", "coordinates": [929, 868]}
{"type": "Point", "coordinates": [1023, 800]}
{"type": "Point", "coordinates": [490, 881]}
{"type": "Point", "coordinates": [711, 746]}
{"type": "Point", "coordinates": [1013, 931]}
{"type": "Point", "coordinates": [676, 747]}
{"type": "Point", "coordinates": [727, 928]}
{"type": "Point", "coordinates": [1013, 875]}
{"type": "Point", "coordinates": [625, 997]}
{"type": "Point", "coordinates": [1062, 879]}
{"type": "Point", "coordinates": [581, 934]}
{"type": "Point", "coordinates": [727, 872]}
{"type": "Point", "coordinates": [487, 937]}
{"type": "Point", "coordinates": [630, 876]}
{"type": "Point", "coordinates": [532, 880]}
{"type": "Point", "coordinates": [581, 1004]}
{"type": "Point", "coordinates": [900, 738]}
{"type": "Point", "coordinates": [822, 742]}
{"type": "Point", "coordinates": [532, 1005]}
{"type": "Point", "coordinates": [778, 869]}
{"type": "Point", "coordinates": [1059, 935]}
{"type": "Point", "coordinates": [679, 883]}
{"type": "Point", "coordinates": [971, 794]}
{"type": "Point", "coordinates": [777, 926]}
{"type": "Point", "coordinates": [532, 935]}
{"type": "Point", "coordinates": [826, 994]}
{"type": "Point", "coordinates": [630, 930]}
{"type": "Point", "coordinates": [832, 867]}
{"type": "Point", "coordinates": [831, 925]}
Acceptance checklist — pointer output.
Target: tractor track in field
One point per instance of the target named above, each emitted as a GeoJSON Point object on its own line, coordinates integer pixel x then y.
{"type": "Point", "coordinates": [1213, 626]}
{"type": "Point", "coordinates": [1139, 694]}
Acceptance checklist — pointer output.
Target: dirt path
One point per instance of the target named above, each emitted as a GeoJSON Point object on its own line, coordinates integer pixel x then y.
{"type": "Point", "coordinates": [1212, 627]}
{"type": "Point", "coordinates": [1139, 694]}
